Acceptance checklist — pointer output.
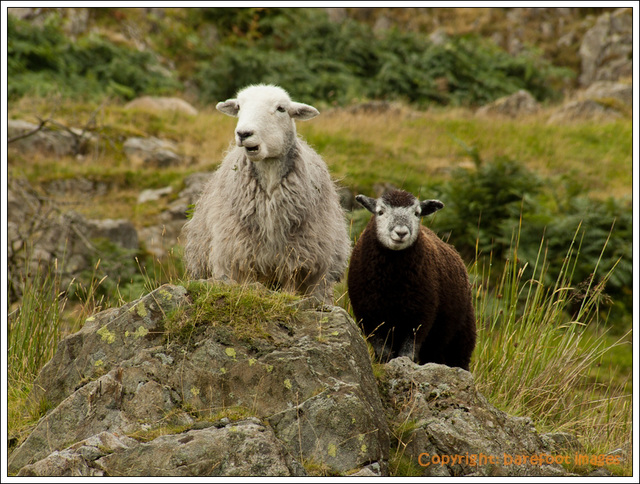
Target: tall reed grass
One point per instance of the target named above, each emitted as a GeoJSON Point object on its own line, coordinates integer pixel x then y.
{"type": "Point", "coordinates": [538, 356]}
{"type": "Point", "coordinates": [34, 327]}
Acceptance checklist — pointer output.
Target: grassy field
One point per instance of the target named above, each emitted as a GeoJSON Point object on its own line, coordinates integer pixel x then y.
{"type": "Point", "coordinates": [566, 374]}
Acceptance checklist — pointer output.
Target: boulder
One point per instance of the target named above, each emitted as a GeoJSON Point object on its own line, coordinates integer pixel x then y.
{"type": "Point", "coordinates": [519, 104]}
{"type": "Point", "coordinates": [151, 152]}
{"type": "Point", "coordinates": [308, 378]}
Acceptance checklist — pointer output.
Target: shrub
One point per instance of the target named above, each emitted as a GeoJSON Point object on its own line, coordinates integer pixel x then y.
{"type": "Point", "coordinates": [485, 206]}
{"type": "Point", "coordinates": [318, 59]}
{"type": "Point", "coordinates": [41, 60]}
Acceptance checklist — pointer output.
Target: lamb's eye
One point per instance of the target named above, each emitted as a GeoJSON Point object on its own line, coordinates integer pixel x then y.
{"type": "Point", "coordinates": [281, 109]}
{"type": "Point", "coordinates": [380, 212]}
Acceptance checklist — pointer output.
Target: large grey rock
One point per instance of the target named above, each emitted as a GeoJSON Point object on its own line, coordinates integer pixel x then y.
{"type": "Point", "coordinates": [455, 431]}
{"type": "Point", "coordinates": [310, 378]}
{"type": "Point", "coordinates": [230, 387]}
{"type": "Point", "coordinates": [243, 448]}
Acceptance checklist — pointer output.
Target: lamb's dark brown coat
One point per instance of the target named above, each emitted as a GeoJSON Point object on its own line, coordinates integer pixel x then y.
{"type": "Point", "coordinates": [416, 299]}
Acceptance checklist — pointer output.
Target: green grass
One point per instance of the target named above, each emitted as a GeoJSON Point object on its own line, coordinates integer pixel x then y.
{"type": "Point", "coordinates": [243, 308]}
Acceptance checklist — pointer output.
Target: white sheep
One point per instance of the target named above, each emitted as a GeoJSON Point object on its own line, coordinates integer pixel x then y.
{"type": "Point", "coordinates": [408, 289]}
{"type": "Point", "coordinates": [270, 213]}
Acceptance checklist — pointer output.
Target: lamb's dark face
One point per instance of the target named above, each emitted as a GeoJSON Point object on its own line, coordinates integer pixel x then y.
{"type": "Point", "coordinates": [398, 216]}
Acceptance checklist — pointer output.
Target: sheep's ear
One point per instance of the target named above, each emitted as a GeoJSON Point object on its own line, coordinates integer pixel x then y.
{"type": "Point", "coordinates": [302, 111]}
{"type": "Point", "coordinates": [229, 107]}
{"type": "Point", "coordinates": [367, 202]}
{"type": "Point", "coordinates": [427, 207]}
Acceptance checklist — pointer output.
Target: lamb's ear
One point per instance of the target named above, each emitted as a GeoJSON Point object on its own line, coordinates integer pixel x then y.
{"type": "Point", "coordinates": [367, 202]}
{"type": "Point", "coordinates": [229, 107]}
{"type": "Point", "coordinates": [427, 207]}
{"type": "Point", "coordinates": [302, 111]}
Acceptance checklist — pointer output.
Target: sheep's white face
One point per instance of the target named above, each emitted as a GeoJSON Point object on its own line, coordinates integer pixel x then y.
{"type": "Point", "coordinates": [266, 127]}
{"type": "Point", "coordinates": [398, 216]}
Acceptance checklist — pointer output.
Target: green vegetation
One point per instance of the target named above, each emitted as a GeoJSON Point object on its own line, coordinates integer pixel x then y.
{"type": "Point", "coordinates": [342, 62]}
{"type": "Point", "coordinates": [489, 203]}
{"type": "Point", "coordinates": [300, 48]}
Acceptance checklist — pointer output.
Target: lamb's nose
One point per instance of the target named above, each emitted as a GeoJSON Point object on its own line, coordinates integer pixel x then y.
{"type": "Point", "coordinates": [401, 232]}
{"type": "Point", "coordinates": [243, 135]}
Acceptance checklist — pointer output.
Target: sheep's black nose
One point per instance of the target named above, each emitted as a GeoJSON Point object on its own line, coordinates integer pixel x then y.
{"type": "Point", "coordinates": [243, 135]}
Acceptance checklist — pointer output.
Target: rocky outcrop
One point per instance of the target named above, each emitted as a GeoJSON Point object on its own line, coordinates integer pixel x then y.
{"type": "Point", "coordinates": [215, 379]}
{"type": "Point", "coordinates": [161, 237]}
{"type": "Point", "coordinates": [606, 49]}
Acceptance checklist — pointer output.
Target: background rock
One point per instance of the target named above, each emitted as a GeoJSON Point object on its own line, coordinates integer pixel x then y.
{"type": "Point", "coordinates": [519, 104]}
{"type": "Point", "coordinates": [52, 142]}
{"type": "Point", "coordinates": [152, 152]}
{"type": "Point", "coordinates": [42, 234]}
{"type": "Point", "coordinates": [620, 91]}
{"type": "Point", "coordinates": [162, 104]}
{"type": "Point", "coordinates": [584, 109]}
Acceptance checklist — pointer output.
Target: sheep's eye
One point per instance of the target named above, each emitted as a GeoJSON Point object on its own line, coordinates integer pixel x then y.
{"type": "Point", "coordinates": [380, 212]}
{"type": "Point", "coordinates": [281, 109]}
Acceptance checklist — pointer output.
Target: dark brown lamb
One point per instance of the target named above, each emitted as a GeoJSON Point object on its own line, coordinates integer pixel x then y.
{"type": "Point", "coordinates": [410, 290]}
